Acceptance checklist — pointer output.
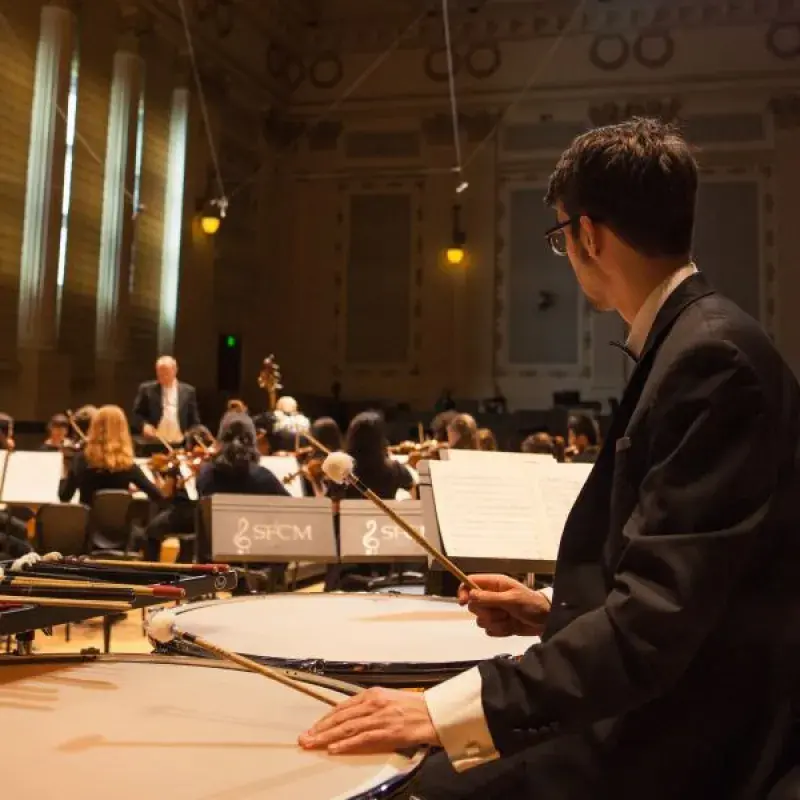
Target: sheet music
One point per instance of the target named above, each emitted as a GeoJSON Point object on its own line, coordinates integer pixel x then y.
{"type": "Point", "coordinates": [493, 509]}
{"type": "Point", "coordinates": [32, 477]}
{"type": "Point", "coordinates": [281, 467]}
{"type": "Point", "coordinates": [463, 456]}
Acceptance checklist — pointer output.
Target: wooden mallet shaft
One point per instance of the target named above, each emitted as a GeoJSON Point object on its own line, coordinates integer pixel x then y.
{"type": "Point", "coordinates": [57, 602]}
{"type": "Point", "coordinates": [435, 554]}
{"type": "Point", "coordinates": [254, 666]}
{"type": "Point", "coordinates": [167, 592]}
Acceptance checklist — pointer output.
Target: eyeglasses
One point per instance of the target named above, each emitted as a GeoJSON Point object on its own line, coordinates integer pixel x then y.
{"type": "Point", "coordinates": [557, 235]}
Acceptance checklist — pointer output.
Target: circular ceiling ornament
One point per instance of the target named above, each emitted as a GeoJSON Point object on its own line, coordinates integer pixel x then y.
{"type": "Point", "coordinates": [653, 50]}
{"type": "Point", "coordinates": [609, 51]}
{"type": "Point", "coordinates": [326, 71]}
{"type": "Point", "coordinates": [783, 40]}
{"type": "Point", "coordinates": [435, 64]}
{"type": "Point", "coordinates": [483, 61]}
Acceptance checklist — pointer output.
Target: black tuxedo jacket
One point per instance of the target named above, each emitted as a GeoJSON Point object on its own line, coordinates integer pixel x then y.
{"type": "Point", "coordinates": [666, 668]}
{"type": "Point", "coordinates": [148, 406]}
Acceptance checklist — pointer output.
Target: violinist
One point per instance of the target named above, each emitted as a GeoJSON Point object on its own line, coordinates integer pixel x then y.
{"type": "Point", "coordinates": [486, 440]}
{"type": "Point", "coordinates": [462, 433]}
{"type": "Point", "coordinates": [366, 442]}
{"type": "Point", "coordinates": [106, 461]}
{"type": "Point", "coordinates": [583, 443]}
{"type": "Point", "coordinates": [235, 468]}
{"type": "Point", "coordinates": [327, 432]}
{"type": "Point", "coordinates": [57, 434]}
{"type": "Point", "coordinates": [440, 423]}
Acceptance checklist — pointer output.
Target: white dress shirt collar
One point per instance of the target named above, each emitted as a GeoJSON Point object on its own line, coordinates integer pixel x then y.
{"type": "Point", "coordinates": [646, 316]}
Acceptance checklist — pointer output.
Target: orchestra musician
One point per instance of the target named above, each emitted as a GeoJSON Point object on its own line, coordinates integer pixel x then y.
{"type": "Point", "coordinates": [486, 440]}
{"type": "Point", "coordinates": [540, 443]}
{"type": "Point", "coordinates": [583, 439]}
{"type": "Point", "coordinates": [106, 461]}
{"type": "Point", "coordinates": [165, 407]}
{"type": "Point", "coordinates": [669, 656]}
{"type": "Point", "coordinates": [462, 433]}
{"type": "Point", "coordinates": [57, 433]}
{"type": "Point", "coordinates": [235, 469]}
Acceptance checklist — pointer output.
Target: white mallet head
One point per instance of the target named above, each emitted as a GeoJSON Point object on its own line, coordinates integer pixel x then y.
{"type": "Point", "coordinates": [52, 557]}
{"type": "Point", "coordinates": [28, 560]}
{"type": "Point", "coordinates": [338, 466]}
{"type": "Point", "coordinates": [161, 626]}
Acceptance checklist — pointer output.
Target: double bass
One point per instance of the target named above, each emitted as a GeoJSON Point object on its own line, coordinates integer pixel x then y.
{"type": "Point", "coordinates": [269, 379]}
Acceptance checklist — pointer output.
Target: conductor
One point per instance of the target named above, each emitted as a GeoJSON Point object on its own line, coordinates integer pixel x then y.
{"type": "Point", "coordinates": [669, 655]}
{"type": "Point", "coordinates": [165, 407]}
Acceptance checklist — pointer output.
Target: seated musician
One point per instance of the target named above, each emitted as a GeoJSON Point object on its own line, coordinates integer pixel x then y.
{"type": "Point", "coordinates": [540, 443]}
{"type": "Point", "coordinates": [462, 433]}
{"type": "Point", "coordinates": [440, 423]}
{"type": "Point", "coordinates": [367, 443]}
{"type": "Point", "coordinates": [327, 432]}
{"type": "Point", "coordinates": [583, 442]}
{"type": "Point", "coordinates": [486, 440]}
{"type": "Point", "coordinates": [288, 425]}
{"type": "Point", "coordinates": [165, 407]}
{"type": "Point", "coordinates": [57, 433]}
{"type": "Point", "coordinates": [106, 461]}
{"type": "Point", "coordinates": [239, 406]}
{"type": "Point", "coordinates": [235, 469]}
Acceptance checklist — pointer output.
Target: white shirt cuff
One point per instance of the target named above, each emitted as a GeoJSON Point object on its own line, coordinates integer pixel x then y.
{"type": "Point", "coordinates": [548, 593]}
{"type": "Point", "coordinates": [456, 710]}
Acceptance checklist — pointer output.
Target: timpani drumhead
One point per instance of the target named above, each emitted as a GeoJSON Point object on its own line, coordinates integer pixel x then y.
{"type": "Point", "coordinates": [133, 728]}
{"type": "Point", "coordinates": [366, 638]}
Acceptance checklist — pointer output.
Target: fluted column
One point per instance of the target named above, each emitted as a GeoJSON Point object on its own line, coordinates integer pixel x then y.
{"type": "Point", "coordinates": [43, 381]}
{"type": "Point", "coordinates": [38, 295]}
{"type": "Point", "coordinates": [173, 219]}
{"type": "Point", "coordinates": [117, 227]}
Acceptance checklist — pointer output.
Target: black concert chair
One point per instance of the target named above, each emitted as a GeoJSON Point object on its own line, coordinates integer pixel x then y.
{"type": "Point", "coordinates": [62, 528]}
{"type": "Point", "coordinates": [111, 525]}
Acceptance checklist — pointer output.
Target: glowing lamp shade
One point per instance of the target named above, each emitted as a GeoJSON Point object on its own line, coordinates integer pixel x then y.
{"type": "Point", "coordinates": [454, 256]}
{"type": "Point", "coordinates": [210, 223]}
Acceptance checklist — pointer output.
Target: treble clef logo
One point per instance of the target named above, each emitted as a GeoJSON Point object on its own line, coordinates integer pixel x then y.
{"type": "Point", "coordinates": [241, 541]}
{"type": "Point", "coordinates": [370, 541]}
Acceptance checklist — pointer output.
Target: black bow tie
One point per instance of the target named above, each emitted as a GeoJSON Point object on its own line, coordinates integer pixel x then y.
{"type": "Point", "coordinates": [625, 349]}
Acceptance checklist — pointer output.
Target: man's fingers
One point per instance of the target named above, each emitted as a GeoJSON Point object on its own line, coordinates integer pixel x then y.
{"type": "Point", "coordinates": [343, 729]}
{"type": "Point", "coordinates": [365, 743]}
{"type": "Point", "coordinates": [353, 708]}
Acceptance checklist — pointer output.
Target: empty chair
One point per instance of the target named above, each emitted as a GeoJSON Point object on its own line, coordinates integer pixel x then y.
{"type": "Point", "coordinates": [111, 524]}
{"type": "Point", "coordinates": [62, 528]}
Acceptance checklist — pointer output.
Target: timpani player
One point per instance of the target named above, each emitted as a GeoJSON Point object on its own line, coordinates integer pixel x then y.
{"type": "Point", "coordinates": [669, 656]}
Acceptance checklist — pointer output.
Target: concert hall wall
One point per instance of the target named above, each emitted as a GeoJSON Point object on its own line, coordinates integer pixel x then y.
{"type": "Point", "coordinates": [331, 254]}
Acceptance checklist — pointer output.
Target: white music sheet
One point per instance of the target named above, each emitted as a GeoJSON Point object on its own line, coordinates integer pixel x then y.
{"type": "Point", "coordinates": [281, 467]}
{"type": "Point", "coordinates": [463, 456]}
{"type": "Point", "coordinates": [495, 510]}
{"type": "Point", "coordinates": [32, 478]}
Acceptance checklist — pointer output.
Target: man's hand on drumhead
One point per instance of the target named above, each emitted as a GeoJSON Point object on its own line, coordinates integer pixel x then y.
{"type": "Point", "coordinates": [505, 607]}
{"type": "Point", "coordinates": [375, 721]}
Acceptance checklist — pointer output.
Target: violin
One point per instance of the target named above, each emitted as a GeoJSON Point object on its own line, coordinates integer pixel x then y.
{"type": "Point", "coordinates": [312, 471]}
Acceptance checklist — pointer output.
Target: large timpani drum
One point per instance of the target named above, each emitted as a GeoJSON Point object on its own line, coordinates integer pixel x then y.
{"type": "Point", "coordinates": [131, 728]}
{"type": "Point", "coordinates": [362, 638]}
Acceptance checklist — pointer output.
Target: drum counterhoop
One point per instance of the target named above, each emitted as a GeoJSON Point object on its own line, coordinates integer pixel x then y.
{"type": "Point", "coordinates": [368, 639]}
{"type": "Point", "coordinates": [119, 727]}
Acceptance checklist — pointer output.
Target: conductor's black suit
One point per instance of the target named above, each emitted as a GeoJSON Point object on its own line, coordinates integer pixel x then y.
{"type": "Point", "coordinates": [670, 653]}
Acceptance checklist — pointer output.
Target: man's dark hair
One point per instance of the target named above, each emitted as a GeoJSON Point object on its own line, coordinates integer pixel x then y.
{"type": "Point", "coordinates": [639, 178]}
{"type": "Point", "coordinates": [581, 425]}
{"type": "Point", "coordinates": [538, 443]}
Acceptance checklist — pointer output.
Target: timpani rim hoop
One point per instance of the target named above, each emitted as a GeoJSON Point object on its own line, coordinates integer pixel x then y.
{"type": "Point", "coordinates": [406, 674]}
{"type": "Point", "coordinates": [388, 789]}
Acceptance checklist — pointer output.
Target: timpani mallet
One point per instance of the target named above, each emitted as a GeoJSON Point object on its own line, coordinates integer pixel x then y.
{"type": "Point", "coordinates": [161, 627]}
{"type": "Point", "coordinates": [339, 468]}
